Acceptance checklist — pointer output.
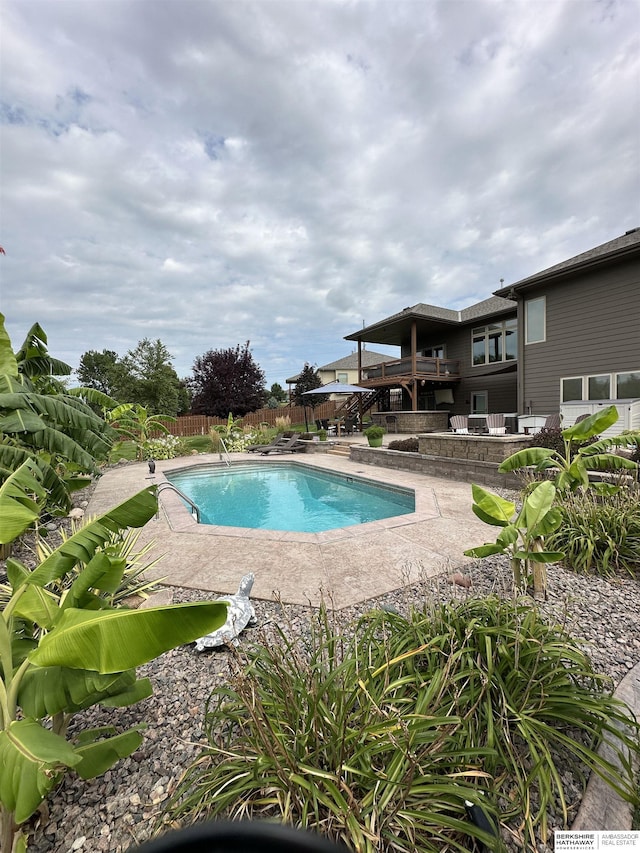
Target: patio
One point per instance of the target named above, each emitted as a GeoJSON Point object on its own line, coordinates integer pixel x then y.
{"type": "Point", "coordinates": [346, 565]}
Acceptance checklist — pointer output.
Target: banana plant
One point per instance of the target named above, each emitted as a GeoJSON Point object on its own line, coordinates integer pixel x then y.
{"type": "Point", "coordinates": [522, 536]}
{"type": "Point", "coordinates": [572, 469]}
{"type": "Point", "coordinates": [134, 422]}
{"type": "Point", "coordinates": [63, 653]}
{"type": "Point", "coordinates": [40, 421]}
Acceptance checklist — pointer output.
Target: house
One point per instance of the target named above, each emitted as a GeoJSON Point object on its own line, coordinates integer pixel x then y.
{"type": "Point", "coordinates": [463, 361]}
{"type": "Point", "coordinates": [579, 345]}
{"type": "Point", "coordinates": [346, 369]}
{"type": "Point", "coordinates": [570, 332]}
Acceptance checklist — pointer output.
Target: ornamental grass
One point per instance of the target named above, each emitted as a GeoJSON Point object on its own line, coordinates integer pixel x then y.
{"type": "Point", "coordinates": [376, 737]}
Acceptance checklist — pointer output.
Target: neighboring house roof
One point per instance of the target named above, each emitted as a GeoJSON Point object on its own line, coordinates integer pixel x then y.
{"type": "Point", "coordinates": [350, 362]}
{"type": "Point", "coordinates": [392, 328]}
{"type": "Point", "coordinates": [627, 244]}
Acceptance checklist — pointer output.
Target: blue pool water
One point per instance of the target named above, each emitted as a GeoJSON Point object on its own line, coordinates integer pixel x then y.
{"type": "Point", "coordinates": [288, 497]}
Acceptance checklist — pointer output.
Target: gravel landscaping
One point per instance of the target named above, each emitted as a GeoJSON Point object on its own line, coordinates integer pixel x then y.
{"type": "Point", "coordinates": [119, 809]}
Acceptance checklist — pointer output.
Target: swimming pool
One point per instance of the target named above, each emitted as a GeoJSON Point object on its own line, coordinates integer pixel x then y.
{"type": "Point", "coordinates": [288, 496]}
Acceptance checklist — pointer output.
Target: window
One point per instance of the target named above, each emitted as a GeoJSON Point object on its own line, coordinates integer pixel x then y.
{"type": "Point", "coordinates": [433, 352]}
{"type": "Point", "coordinates": [479, 403]}
{"type": "Point", "coordinates": [599, 387]}
{"type": "Point", "coordinates": [628, 385]}
{"type": "Point", "coordinates": [343, 377]}
{"type": "Point", "coordinates": [535, 320]}
{"type": "Point", "coordinates": [572, 389]}
{"type": "Point", "coordinates": [495, 342]}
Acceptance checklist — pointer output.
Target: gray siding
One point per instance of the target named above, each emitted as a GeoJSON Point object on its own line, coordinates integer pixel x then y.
{"type": "Point", "coordinates": [592, 327]}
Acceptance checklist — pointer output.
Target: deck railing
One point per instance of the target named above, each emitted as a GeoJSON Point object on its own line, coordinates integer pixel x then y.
{"type": "Point", "coordinates": [434, 368]}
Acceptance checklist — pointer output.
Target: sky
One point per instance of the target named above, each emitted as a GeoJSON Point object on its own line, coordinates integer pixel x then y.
{"type": "Point", "coordinates": [209, 172]}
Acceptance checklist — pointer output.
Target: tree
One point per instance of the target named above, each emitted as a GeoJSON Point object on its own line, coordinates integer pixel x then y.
{"type": "Point", "coordinates": [227, 380]}
{"type": "Point", "coordinates": [145, 376]}
{"type": "Point", "coordinates": [103, 371]}
{"type": "Point", "coordinates": [308, 379]}
{"type": "Point", "coordinates": [277, 392]}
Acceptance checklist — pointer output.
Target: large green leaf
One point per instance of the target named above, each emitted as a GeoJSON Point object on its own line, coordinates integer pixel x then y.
{"type": "Point", "coordinates": [593, 425]}
{"type": "Point", "coordinates": [19, 505]}
{"type": "Point", "coordinates": [487, 550]}
{"type": "Point", "coordinates": [536, 505]}
{"type": "Point", "coordinates": [22, 420]}
{"type": "Point", "coordinates": [34, 603]}
{"type": "Point", "coordinates": [492, 506]}
{"type": "Point", "coordinates": [48, 690]}
{"type": "Point", "coordinates": [540, 556]}
{"type": "Point", "coordinates": [8, 363]}
{"type": "Point", "coordinates": [99, 756]}
{"type": "Point", "coordinates": [31, 758]}
{"type": "Point", "coordinates": [80, 548]}
{"type": "Point", "coordinates": [102, 572]}
{"type": "Point", "coordinates": [538, 456]}
{"type": "Point", "coordinates": [609, 462]}
{"type": "Point", "coordinates": [58, 497]}
{"type": "Point", "coordinates": [59, 444]}
{"type": "Point", "coordinates": [115, 640]}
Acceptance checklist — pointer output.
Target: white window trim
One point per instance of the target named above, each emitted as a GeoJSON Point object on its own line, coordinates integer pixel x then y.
{"type": "Point", "coordinates": [613, 384]}
{"type": "Point", "coordinates": [541, 340]}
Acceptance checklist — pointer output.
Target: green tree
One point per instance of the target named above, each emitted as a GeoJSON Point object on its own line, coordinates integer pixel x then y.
{"type": "Point", "coordinates": [227, 380]}
{"type": "Point", "coordinates": [308, 379]}
{"type": "Point", "coordinates": [278, 393]}
{"type": "Point", "coordinates": [144, 376]}
{"type": "Point", "coordinates": [103, 371]}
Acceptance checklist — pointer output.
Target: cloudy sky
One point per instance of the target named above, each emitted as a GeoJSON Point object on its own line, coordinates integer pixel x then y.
{"type": "Point", "coordinates": [209, 172]}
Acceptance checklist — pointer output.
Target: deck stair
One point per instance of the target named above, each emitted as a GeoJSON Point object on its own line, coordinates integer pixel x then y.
{"type": "Point", "coordinates": [352, 405]}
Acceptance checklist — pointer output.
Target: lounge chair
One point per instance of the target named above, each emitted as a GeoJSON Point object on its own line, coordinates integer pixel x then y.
{"type": "Point", "coordinates": [288, 445]}
{"type": "Point", "coordinates": [460, 424]}
{"type": "Point", "coordinates": [496, 425]}
{"type": "Point", "coordinates": [258, 448]}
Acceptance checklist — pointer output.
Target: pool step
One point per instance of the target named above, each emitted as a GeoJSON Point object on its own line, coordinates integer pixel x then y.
{"type": "Point", "coordinates": [340, 449]}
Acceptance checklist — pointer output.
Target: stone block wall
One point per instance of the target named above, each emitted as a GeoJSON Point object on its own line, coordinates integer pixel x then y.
{"type": "Point", "coordinates": [467, 470]}
{"type": "Point", "coordinates": [479, 448]}
{"type": "Point", "coordinates": [412, 423]}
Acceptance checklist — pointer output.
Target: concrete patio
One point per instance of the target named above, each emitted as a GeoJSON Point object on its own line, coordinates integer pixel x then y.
{"type": "Point", "coordinates": [346, 566]}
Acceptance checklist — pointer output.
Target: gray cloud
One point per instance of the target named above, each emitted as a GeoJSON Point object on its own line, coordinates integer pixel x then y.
{"type": "Point", "coordinates": [212, 172]}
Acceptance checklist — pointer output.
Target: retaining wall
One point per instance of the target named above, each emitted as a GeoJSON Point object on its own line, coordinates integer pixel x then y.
{"type": "Point", "coordinates": [467, 470]}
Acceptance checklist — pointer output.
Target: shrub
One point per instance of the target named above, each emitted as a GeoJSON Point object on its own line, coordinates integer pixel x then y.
{"type": "Point", "coordinates": [374, 431]}
{"type": "Point", "coordinates": [166, 447]}
{"type": "Point", "coordinates": [407, 445]}
{"type": "Point", "coordinates": [378, 738]}
{"type": "Point", "coordinates": [599, 535]}
{"type": "Point", "coordinates": [283, 422]}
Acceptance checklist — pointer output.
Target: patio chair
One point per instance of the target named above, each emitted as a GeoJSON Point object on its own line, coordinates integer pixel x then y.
{"type": "Point", "coordinates": [349, 425]}
{"type": "Point", "coordinates": [255, 448]}
{"type": "Point", "coordinates": [552, 422]}
{"type": "Point", "coordinates": [495, 424]}
{"type": "Point", "coordinates": [460, 424]}
{"type": "Point", "coordinates": [288, 445]}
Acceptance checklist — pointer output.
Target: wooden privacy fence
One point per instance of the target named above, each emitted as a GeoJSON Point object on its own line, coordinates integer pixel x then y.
{"type": "Point", "coordinates": [199, 424]}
